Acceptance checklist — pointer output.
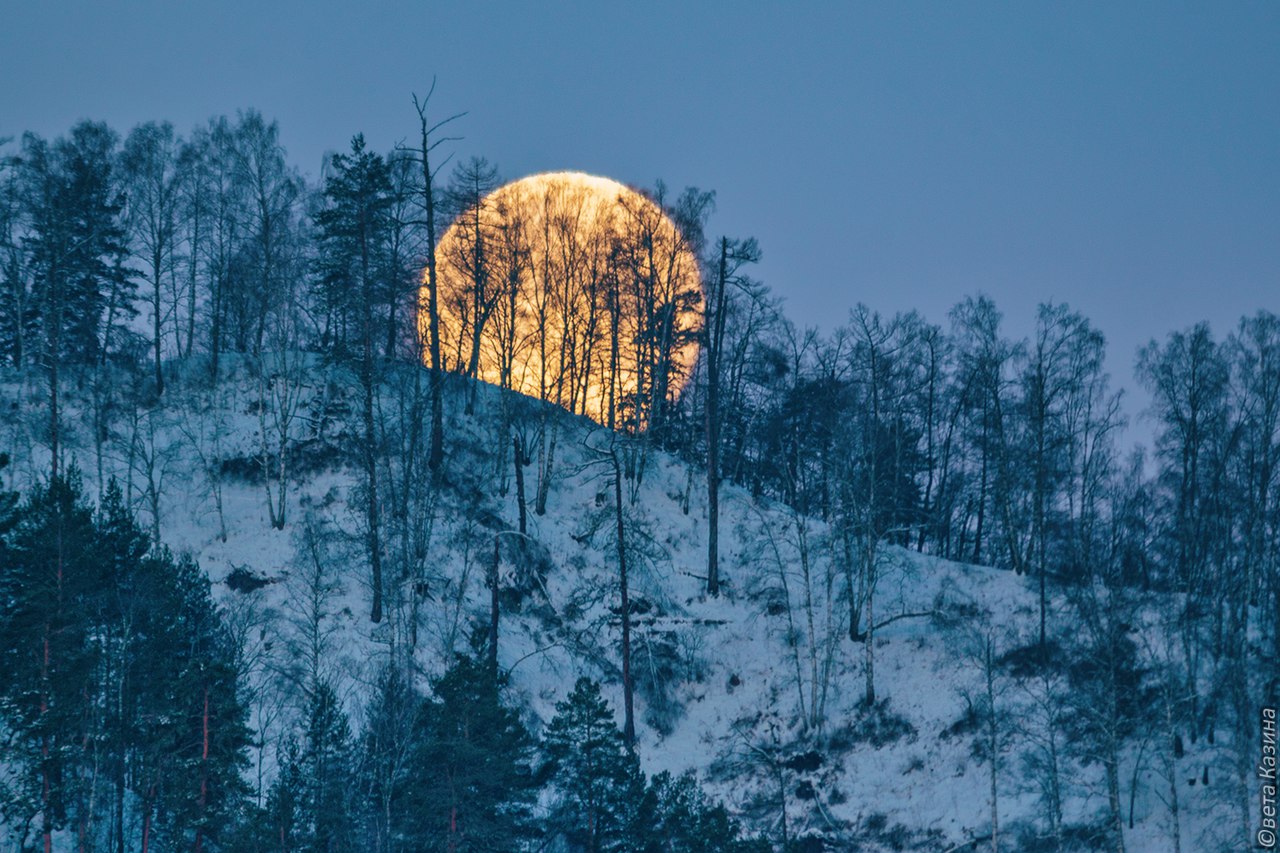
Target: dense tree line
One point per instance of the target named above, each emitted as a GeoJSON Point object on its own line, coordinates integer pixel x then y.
{"type": "Point", "coordinates": [120, 695]}
{"type": "Point", "coordinates": [131, 266]}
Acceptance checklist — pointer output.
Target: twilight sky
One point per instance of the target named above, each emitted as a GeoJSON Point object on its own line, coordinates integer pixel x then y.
{"type": "Point", "coordinates": [1124, 158]}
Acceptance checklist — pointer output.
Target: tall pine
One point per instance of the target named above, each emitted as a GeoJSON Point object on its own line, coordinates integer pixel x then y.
{"type": "Point", "coordinates": [469, 785]}
{"type": "Point", "coordinates": [597, 780]}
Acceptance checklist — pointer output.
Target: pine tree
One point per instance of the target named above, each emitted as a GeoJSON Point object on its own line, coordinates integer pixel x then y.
{"type": "Point", "coordinates": [80, 286]}
{"type": "Point", "coordinates": [326, 767]}
{"type": "Point", "coordinates": [123, 547]}
{"type": "Point", "coordinates": [469, 786]}
{"type": "Point", "coordinates": [355, 289]}
{"type": "Point", "coordinates": [281, 819]}
{"type": "Point", "coordinates": [50, 585]}
{"type": "Point", "coordinates": [207, 687]}
{"type": "Point", "coordinates": [596, 778]}
{"type": "Point", "coordinates": [388, 751]}
{"type": "Point", "coordinates": [354, 226]}
{"type": "Point", "coordinates": [190, 719]}
{"type": "Point", "coordinates": [17, 318]}
{"type": "Point", "coordinates": [8, 513]}
{"type": "Point", "coordinates": [676, 816]}
{"type": "Point", "coordinates": [120, 673]}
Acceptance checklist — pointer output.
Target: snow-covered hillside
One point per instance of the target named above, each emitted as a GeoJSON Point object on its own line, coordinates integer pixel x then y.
{"type": "Point", "coordinates": [760, 690]}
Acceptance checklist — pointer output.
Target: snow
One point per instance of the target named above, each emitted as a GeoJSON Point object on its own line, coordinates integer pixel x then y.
{"type": "Point", "coordinates": [733, 704]}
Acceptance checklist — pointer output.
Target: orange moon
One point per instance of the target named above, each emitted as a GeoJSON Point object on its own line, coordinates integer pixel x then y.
{"type": "Point", "coordinates": [574, 289]}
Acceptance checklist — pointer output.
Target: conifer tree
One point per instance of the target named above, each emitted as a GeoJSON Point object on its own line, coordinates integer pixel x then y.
{"type": "Point", "coordinates": [328, 763]}
{"type": "Point", "coordinates": [312, 800]}
{"type": "Point", "coordinates": [50, 585]}
{"type": "Point", "coordinates": [194, 730]}
{"type": "Point", "coordinates": [281, 818]}
{"type": "Point", "coordinates": [8, 513]}
{"type": "Point", "coordinates": [597, 779]}
{"type": "Point", "coordinates": [126, 663]}
{"type": "Point", "coordinates": [80, 285]}
{"type": "Point", "coordinates": [354, 286]}
{"type": "Point", "coordinates": [677, 815]}
{"type": "Point", "coordinates": [469, 785]}
{"type": "Point", "coordinates": [17, 327]}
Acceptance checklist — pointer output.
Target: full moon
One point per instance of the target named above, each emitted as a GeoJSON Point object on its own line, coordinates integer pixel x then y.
{"type": "Point", "coordinates": [573, 289]}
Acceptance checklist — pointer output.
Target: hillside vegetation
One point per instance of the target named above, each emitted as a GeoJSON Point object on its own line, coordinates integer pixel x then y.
{"type": "Point", "coordinates": [277, 572]}
{"type": "Point", "coordinates": [760, 692]}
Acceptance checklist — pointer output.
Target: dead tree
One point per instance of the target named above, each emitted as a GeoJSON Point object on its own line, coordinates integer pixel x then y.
{"type": "Point", "coordinates": [733, 255]}
{"type": "Point", "coordinates": [422, 154]}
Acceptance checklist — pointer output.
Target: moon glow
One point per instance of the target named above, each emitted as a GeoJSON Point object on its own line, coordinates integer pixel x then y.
{"type": "Point", "coordinates": [574, 289]}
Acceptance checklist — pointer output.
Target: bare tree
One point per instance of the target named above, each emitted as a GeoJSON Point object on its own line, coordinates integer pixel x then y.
{"type": "Point", "coordinates": [269, 212]}
{"type": "Point", "coordinates": [226, 229]}
{"type": "Point", "coordinates": [1106, 685]}
{"type": "Point", "coordinates": [1041, 724]}
{"type": "Point", "coordinates": [1060, 382]}
{"type": "Point", "coordinates": [150, 455]}
{"type": "Point", "coordinates": [202, 421]}
{"type": "Point", "coordinates": [428, 142]}
{"type": "Point", "coordinates": [1188, 377]}
{"type": "Point", "coordinates": [984, 358]}
{"type": "Point", "coordinates": [154, 180]}
{"type": "Point", "coordinates": [733, 255]}
{"type": "Point", "coordinates": [471, 183]}
{"type": "Point", "coordinates": [801, 588]}
{"type": "Point", "coordinates": [281, 385]}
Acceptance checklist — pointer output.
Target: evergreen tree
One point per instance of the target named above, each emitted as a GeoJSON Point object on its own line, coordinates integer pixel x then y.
{"type": "Point", "coordinates": [80, 287]}
{"type": "Point", "coordinates": [121, 674]}
{"type": "Point", "coordinates": [596, 778]}
{"type": "Point", "coordinates": [355, 287]}
{"type": "Point", "coordinates": [352, 285]}
{"type": "Point", "coordinates": [310, 804]}
{"type": "Point", "coordinates": [469, 786]}
{"type": "Point", "coordinates": [326, 767]}
{"type": "Point", "coordinates": [676, 816]}
{"type": "Point", "coordinates": [204, 724]}
{"type": "Point", "coordinates": [77, 240]}
{"type": "Point", "coordinates": [51, 583]}
{"type": "Point", "coordinates": [8, 512]}
{"type": "Point", "coordinates": [17, 319]}
{"type": "Point", "coordinates": [282, 817]}
{"type": "Point", "coordinates": [127, 640]}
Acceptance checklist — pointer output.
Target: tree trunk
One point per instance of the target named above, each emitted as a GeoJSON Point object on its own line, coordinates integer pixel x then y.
{"type": "Point", "coordinates": [204, 771]}
{"type": "Point", "coordinates": [520, 502]}
{"type": "Point", "coordinates": [548, 458]}
{"type": "Point", "coordinates": [370, 436]}
{"type": "Point", "coordinates": [155, 325]}
{"type": "Point", "coordinates": [629, 721]}
{"type": "Point", "coordinates": [146, 821]}
{"type": "Point", "coordinates": [993, 746]}
{"type": "Point", "coordinates": [494, 607]}
{"type": "Point", "coordinates": [215, 326]}
{"type": "Point", "coordinates": [435, 456]}
{"type": "Point", "coordinates": [715, 343]}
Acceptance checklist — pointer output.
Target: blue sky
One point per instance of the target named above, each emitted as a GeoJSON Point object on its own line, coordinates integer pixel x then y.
{"type": "Point", "coordinates": [1124, 158]}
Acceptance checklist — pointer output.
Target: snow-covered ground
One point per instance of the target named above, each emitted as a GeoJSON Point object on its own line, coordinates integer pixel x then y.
{"type": "Point", "coordinates": [759, 690]}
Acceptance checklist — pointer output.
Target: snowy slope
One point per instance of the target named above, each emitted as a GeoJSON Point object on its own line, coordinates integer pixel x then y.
{"type": "Point", "coordinates": [724, 685]}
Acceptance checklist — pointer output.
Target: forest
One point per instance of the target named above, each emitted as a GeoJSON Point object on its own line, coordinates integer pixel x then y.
{"type": "Point", "coordinates": [155, 287]}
